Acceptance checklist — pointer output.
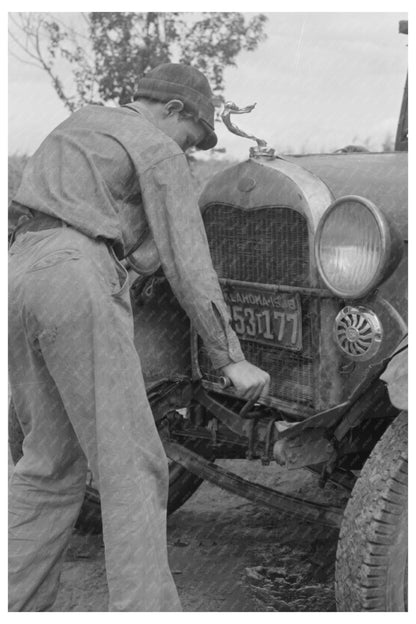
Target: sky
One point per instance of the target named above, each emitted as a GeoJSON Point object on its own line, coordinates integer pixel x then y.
{"type": "Point", "coordinates": [321, 81]}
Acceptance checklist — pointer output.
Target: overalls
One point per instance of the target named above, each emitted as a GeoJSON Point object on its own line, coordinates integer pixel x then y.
{"type": "Point", "coordinates": [76, 382]}
{"type": "Point", "coordinates": [75, 375]}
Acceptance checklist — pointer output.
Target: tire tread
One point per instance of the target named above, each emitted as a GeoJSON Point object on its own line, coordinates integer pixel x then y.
{"type": "Point", "coordinates": [370, 525]}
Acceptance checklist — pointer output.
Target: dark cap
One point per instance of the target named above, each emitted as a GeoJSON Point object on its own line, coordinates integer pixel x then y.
{"type": "Point", "coordinates": [175, 81]}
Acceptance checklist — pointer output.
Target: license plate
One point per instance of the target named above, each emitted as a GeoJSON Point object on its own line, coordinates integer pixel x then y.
{"type": "Point", "coordinates": [265, 317]}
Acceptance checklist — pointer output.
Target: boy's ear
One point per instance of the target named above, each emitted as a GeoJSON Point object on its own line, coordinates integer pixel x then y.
{"type": "Point", "coordinates": [173, 106]}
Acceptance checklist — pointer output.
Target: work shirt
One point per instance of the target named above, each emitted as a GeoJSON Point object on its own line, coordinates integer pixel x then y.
{"type": "Point", "coordinates": [111, 173]}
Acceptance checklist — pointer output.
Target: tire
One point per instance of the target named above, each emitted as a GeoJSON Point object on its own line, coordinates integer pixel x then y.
{"type": "Point", "coordinates": [182, 483]}
{"type": "Point", "coordinates": [371, 567]}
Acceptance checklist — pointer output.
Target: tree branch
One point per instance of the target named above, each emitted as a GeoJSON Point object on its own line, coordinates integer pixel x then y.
{"type": "Point", "coordinates": [69, 28]}
{"type": "Point", "coordinates": [55, 79]}
{"type": "Point", "coordinates": [20, 44]}
{"type": "Point", "coordinates": [121, 46]}
{"type": "Point", "coordinates": [24, 61]}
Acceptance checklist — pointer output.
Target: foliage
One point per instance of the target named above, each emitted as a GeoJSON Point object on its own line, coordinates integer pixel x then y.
{"type": "Point", "coordinates": [388, 143]}
{"type": "Point", "coordinates": [119, 48]}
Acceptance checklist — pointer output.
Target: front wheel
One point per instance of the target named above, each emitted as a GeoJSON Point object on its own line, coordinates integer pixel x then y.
{"type": "Point", "coordinates": [371, 570]}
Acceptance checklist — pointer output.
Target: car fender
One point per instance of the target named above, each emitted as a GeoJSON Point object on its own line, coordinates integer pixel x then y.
{"type": "Point", "coordinates": [395, 376]}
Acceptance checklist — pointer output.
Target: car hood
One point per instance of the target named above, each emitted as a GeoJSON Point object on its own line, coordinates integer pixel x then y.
{"type": "Point", "coordinates": [382, 178]}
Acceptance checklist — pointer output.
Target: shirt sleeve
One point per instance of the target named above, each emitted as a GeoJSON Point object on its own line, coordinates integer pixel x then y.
{"type": "Point", "coordinates": [175, 221]}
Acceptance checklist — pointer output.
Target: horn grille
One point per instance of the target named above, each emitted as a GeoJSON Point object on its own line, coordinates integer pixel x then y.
{"type": "Point", "coordinates": [358, 332]}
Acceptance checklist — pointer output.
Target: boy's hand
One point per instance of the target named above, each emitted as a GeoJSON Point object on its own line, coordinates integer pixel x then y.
{"type": "Point", "coordinates": [249, 381]}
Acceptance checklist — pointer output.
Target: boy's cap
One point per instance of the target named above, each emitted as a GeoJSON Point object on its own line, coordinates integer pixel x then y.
{"type": "Point", "coordinates": [175, 81]}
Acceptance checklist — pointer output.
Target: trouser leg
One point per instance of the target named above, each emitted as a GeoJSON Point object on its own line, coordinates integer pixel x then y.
{"type": "Point", "coordinates": [47, 485]}
{"type": "Point", "coordinates": [91, 356]}
{"type": "Point", "coordinates": [123, 448]}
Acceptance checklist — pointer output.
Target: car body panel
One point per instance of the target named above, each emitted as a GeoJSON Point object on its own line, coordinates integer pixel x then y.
{"type": "Point", "coordinates": [383, 179]}
{"type": "Point", "coordinates": [396, 376]}
{"type": "Point", "coordinates": [308, 185]}
{"type": "Point", "coordinates": [379, 177]}
{"type": "Point", "coordinates": [161, 334]}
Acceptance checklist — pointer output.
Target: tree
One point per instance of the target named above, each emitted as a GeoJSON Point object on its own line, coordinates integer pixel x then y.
{"type": "Point", "coordinates": [116, 49]}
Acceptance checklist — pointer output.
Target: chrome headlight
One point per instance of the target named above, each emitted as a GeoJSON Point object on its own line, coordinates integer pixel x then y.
{"type": "Point", "coordinates": [356, 247]}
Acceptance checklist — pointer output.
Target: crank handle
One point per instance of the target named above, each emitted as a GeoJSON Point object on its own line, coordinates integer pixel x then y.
{"type": "Point", "coordinates": [225, 382]}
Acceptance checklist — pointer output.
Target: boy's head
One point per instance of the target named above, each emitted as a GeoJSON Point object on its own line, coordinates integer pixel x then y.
{"type": "Point", "coordinates": [187, 97]}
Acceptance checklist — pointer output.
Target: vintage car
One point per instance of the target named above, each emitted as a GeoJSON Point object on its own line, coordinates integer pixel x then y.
{"type": "Point", "coordinates": [311, 253]}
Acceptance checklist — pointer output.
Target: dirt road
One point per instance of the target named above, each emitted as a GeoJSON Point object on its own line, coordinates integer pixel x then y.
{"type": "Point", "coordinates": [227, 554]}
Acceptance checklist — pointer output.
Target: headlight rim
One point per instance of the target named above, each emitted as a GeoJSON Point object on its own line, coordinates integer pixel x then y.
{"type": "Point", "coordinates": [385, 241]}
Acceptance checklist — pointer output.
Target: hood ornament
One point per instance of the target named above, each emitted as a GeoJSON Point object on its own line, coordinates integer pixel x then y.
{"type": "Point", "coordinates": [232, 109]}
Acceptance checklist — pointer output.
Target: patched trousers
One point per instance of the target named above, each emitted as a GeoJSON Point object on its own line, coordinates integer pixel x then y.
{"type": "Point", "coordinates": [77, 386]}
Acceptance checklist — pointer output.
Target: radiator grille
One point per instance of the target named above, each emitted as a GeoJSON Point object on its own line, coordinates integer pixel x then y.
{"type": "Point", "coordinates": [266, 245]}
{"type": "Point", "coordinates": [270, 246]}
{"type": "Point", "coordinates": [292, 374]}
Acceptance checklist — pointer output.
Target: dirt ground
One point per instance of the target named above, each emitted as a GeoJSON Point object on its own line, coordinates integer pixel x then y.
{"type": "Point", "coordinates": [227, 554]}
